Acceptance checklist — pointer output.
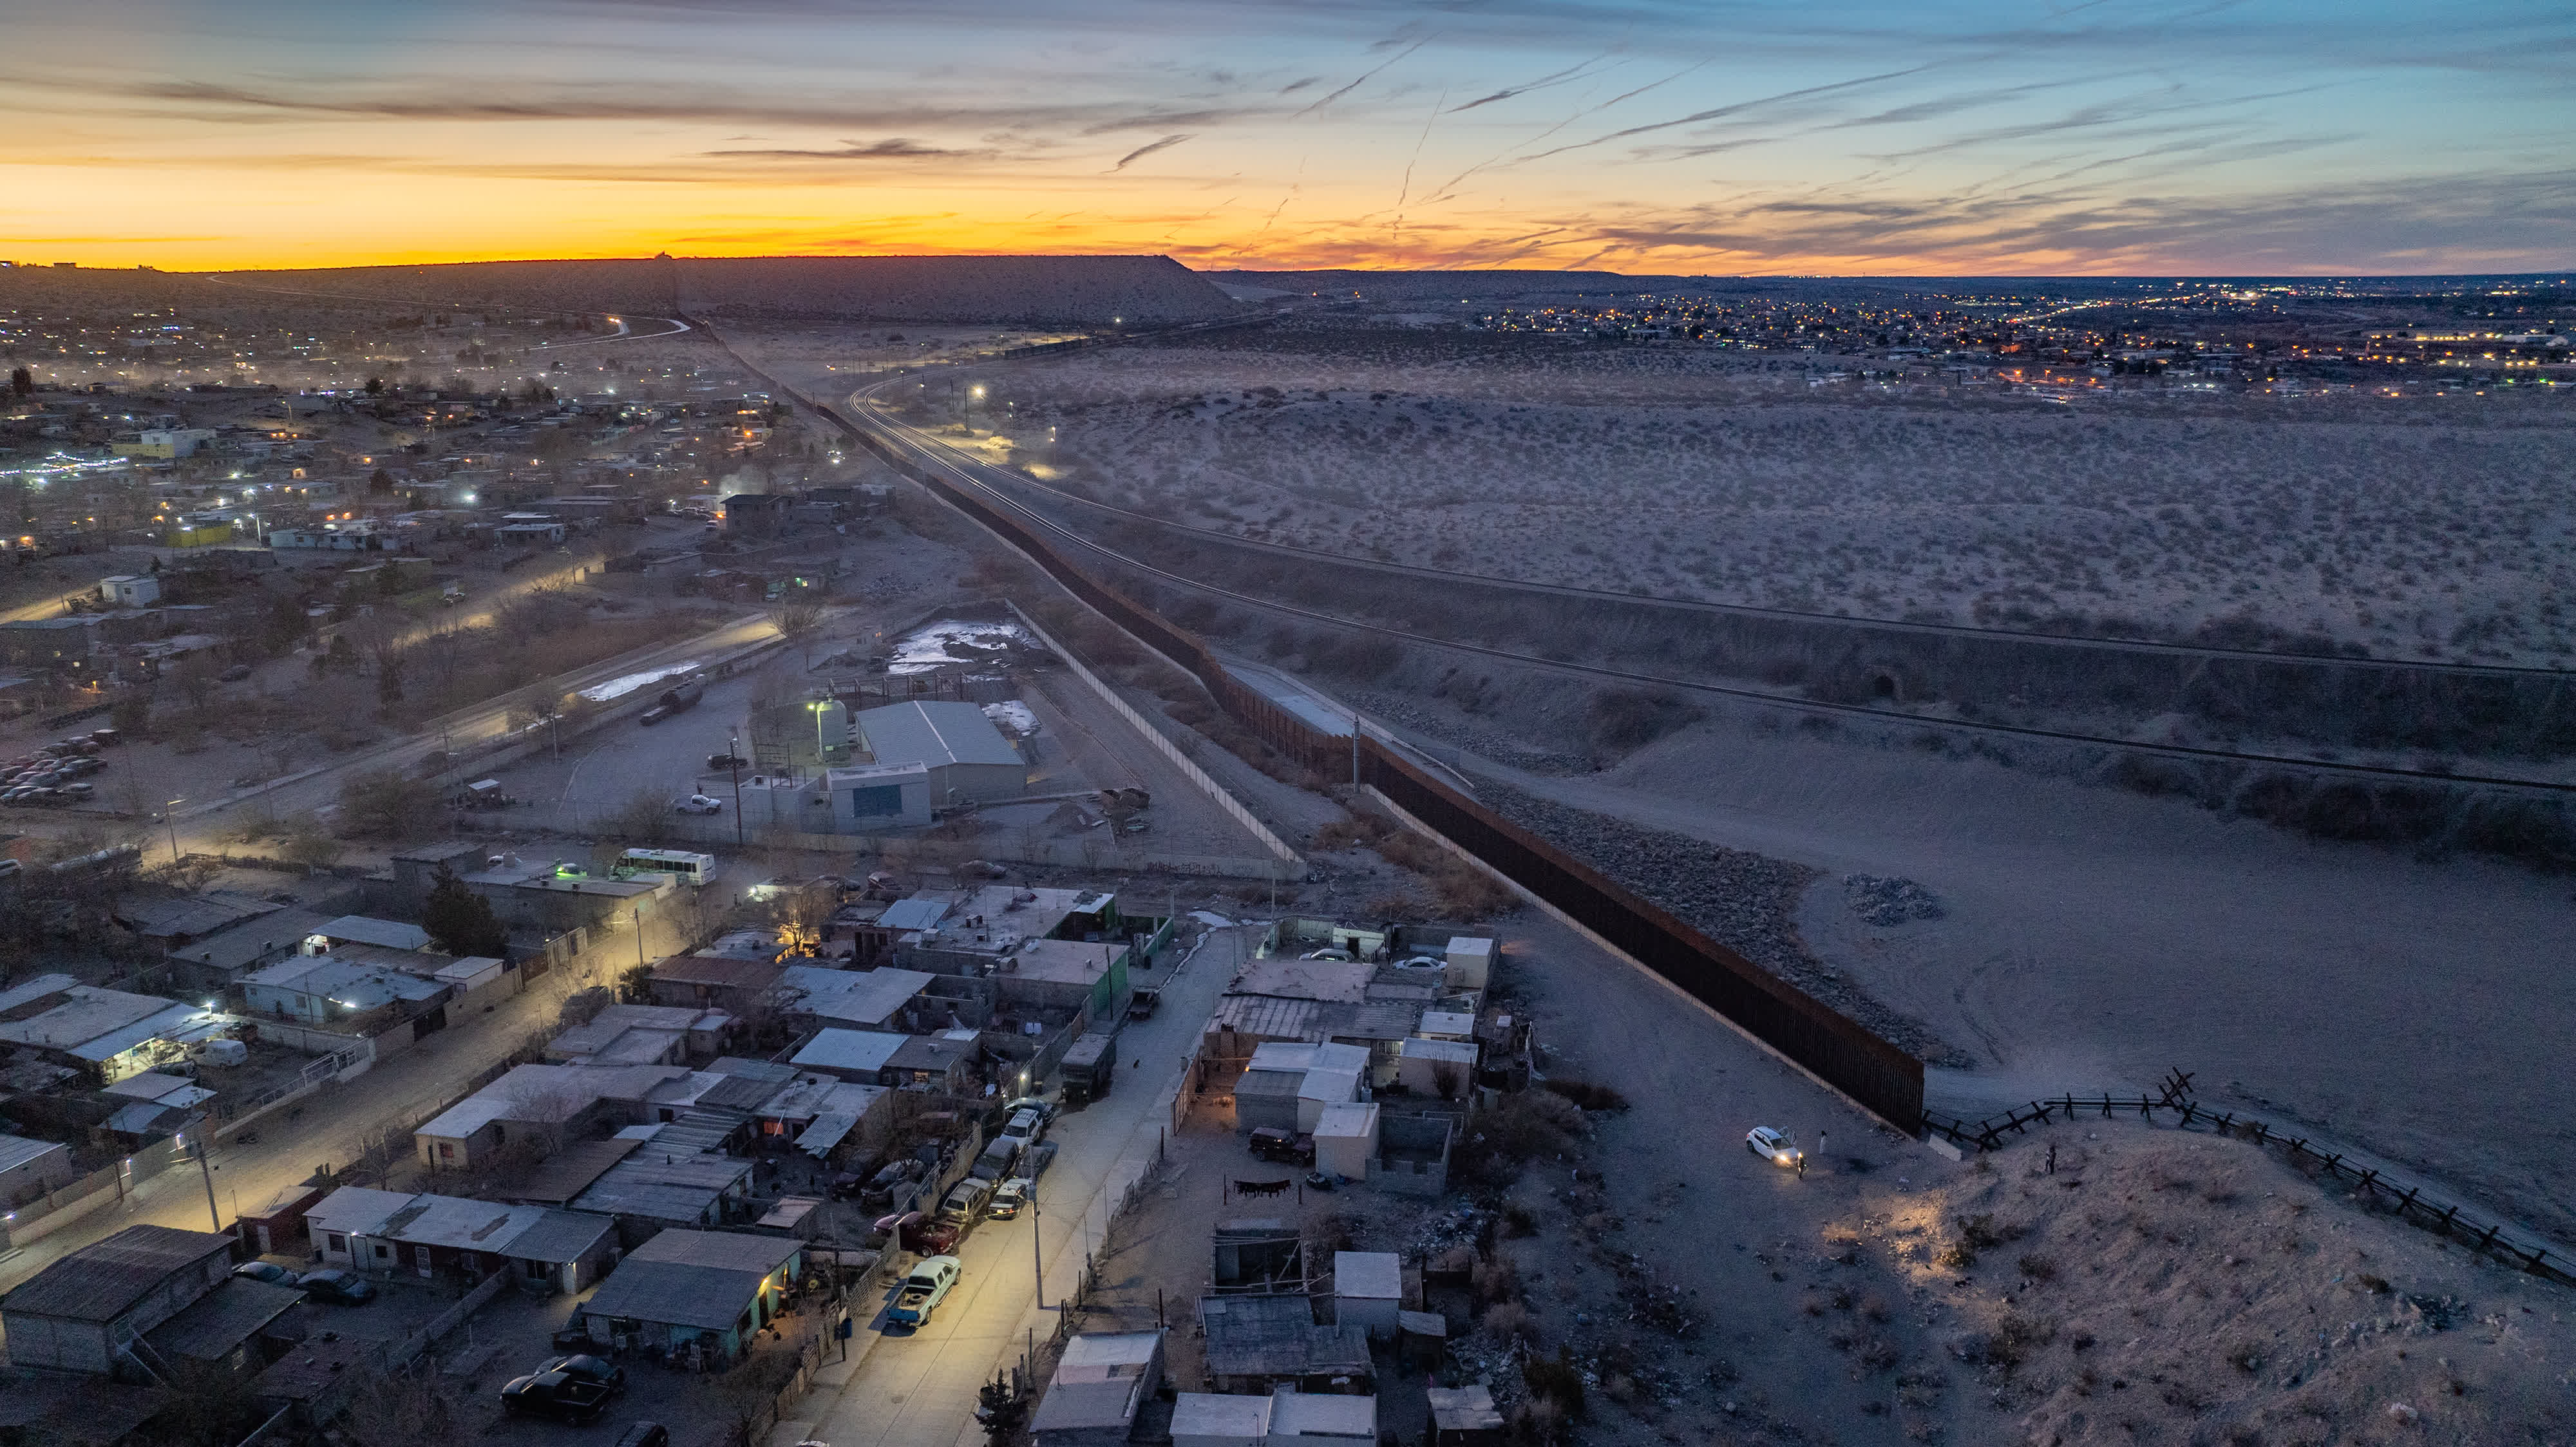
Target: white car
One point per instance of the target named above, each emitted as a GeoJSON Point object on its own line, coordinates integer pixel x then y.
{"type": "Point", "coordinates": [1773, 1142]}
{"type": "Point", "coordinates": [699, 804]}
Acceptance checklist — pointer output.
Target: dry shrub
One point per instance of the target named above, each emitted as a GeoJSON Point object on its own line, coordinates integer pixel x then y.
{"type": "Point", "coordinates": [2039, 1268]}
{"type": "Point", "coordinates": [1558, 1381]}
{"type": "Point", "coordinates": [1539, 1422]}
{"type": "Point", "coordinates": [1349, 831]}
{"type": "Point", "coordinates": [1522, 1128]}
{"type": "Point", "coordinates": [1511, 1322]}
{"type": "Point", "coordinates": [1497, 1280]}
{"type": "Point", "coordinates": [1586, 1095]}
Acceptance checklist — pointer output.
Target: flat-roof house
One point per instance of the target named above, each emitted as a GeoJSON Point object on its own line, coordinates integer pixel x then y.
{"type": "Point", "coordinates": [217, 961]}
{"type": "Point", "coordinates": [642, 1035]}
{"type": "Point", "coordinates": [1442, 1068]}
{"type": "Point", "coordinates": [87, 1311]}
{"type": "Point", "coordinates": [711, 982]}
{"type": "Point", "coordinates": [850, 999]}
{"type": "Point", "coordinates": [1259, 1343]}
{"type": "Point", "coordinates": [1100, 1387]}
{"type": "Point", "coordinates": [359, 929]}
{"type": "Point", "coordinates": [1288, 1085]}
{"type": "Point", "coordinates": [654, 1187]}
{"type": "Point", "coordinates": [548, 1103]}
{"type": "Point", "coordinates": [859, 1055]}
{"type": "Point", "coordinates": [697, 1295]}
{"type": "Point", "coordinates": [429, 1235]}
{"type": "Point", "coordinates": [240, 1326]}
{"type": "Point", "coordinates": [109, 1034]}
{"type": "Point", "coordinates": [1321, 1419]}
{"type": "Point", "coordinates": [1368, 1290]}
{"type": "Point", "coordinates": [30, 1168]}
{"type": "Point", "coordinates": [1209, 1419]}
{"type": "Point", "coordinates": [327, 992]}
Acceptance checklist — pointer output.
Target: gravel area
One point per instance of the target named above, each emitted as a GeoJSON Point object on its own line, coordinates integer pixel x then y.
{"type": "Point", "coordinates": [1746, 901]}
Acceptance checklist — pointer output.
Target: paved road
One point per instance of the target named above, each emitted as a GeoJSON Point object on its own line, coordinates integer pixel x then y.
{"type": "Point", "coordinates": [328, 1130]}
{"type": "Point", "coordinates": [919, 1390]}
{"type": "Point", "coordinates": [202, 826]}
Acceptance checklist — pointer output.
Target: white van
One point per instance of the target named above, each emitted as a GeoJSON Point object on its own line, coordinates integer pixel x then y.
{"type": "Point", "coordinates": [690, 869]}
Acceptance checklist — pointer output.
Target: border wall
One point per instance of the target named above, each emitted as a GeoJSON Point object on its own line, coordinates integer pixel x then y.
{"type": "Point", "coordinates": [1834, 1047]}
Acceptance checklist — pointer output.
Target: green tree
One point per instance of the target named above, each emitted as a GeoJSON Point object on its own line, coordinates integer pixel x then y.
{"type": "Point", "coordinates": [635, 985]}
{"type": "Point", "coordinates": [21, 381]}
{"type": "Point", "coordinates": [461, 921]}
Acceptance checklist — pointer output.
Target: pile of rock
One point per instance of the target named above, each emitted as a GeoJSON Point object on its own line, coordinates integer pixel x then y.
{"type": "Point", "coordinates": [1890, 901]}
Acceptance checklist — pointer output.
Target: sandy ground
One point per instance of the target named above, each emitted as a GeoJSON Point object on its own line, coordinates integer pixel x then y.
{"type": "Point", "coordinates": [1725, 478]}
{"type": "Point", "coordinates": [2092, 940]}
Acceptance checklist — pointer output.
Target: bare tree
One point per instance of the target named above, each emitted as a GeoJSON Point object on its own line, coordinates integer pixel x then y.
{"type": "Point", "coordinates": [797, 621]}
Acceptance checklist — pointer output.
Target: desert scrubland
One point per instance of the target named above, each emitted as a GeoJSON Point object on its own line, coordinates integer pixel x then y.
{"type": "Point", "coordinates": [2419, 528]}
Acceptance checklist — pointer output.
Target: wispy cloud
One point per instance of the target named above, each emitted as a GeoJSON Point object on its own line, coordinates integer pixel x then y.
{"type": "Point", "coordinates": [1147, 149]}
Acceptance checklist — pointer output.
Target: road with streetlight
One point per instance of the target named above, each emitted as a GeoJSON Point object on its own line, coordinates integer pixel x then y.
{"type": "Point", "coordinates": [918, 1390]}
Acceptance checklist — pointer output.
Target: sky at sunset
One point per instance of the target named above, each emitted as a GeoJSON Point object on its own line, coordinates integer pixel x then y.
{"type": "Point", "coordinates": [2002, 137]}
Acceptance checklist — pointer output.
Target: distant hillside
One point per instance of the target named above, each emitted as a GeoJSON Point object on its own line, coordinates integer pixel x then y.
{"type": "Point", "coordinates": [1042, 290]}
{"type": "Point", "coordinates": [1422, 286]}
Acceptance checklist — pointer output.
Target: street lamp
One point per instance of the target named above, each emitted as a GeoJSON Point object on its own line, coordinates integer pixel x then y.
{"type": "Point", "coordinates": [170, 816]}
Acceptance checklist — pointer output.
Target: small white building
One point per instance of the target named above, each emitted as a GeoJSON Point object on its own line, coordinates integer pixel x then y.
{"type": "Point", "coordinates": [1207, 1419]}
{"type": "Point", "coordinates": [126, 591]}
{"type": "Point", "coordinates": [1368, 1291]}
{"type": "Point", "coordinates": [1423, 1066]}
{"type": "Point", "coordinates": [1346, 1139]}
{"type": "Point", "coordinates": [1471, 962]}
{"type": "Point", "coordinates": [1321, 1419]}
{"type": "Point", "coordinates": [1101, 1384]}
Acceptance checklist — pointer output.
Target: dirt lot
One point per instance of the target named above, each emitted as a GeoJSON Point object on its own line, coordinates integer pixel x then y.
{"type": "Point", "coordinates": [2159, 1286]}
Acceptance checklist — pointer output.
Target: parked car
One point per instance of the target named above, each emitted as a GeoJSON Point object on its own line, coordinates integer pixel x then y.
{"type": "Point", "coordinates": [645, 1434]}
{"type": "Point", "coordinates": [1143, 1004]}
{"type": "Point", "coordinates": [1011, 1199]}
{"type": "Point", "coordinates": [915, 1232]}
{"type": "Point", "coordinates": [1025, 1126]}
{"type": "Point", "coordinates": [1773, 1142]}
{"type": "Point", "coordinates": [234, 674]}
{"type": "Point", "coordinates": [699, 804]}
{"type": "Point", "coordinates": [268, 1271]}
{"type": "Point", "coordinates": [965, 1201]}
{"type": "Point", "coordinates": [338, 1287]}
{"type": "Point", "coordinates": [727, 762]}
{"type": "Point", "coordinates": [559, 1395]}
{"type": "Point", "coordinates": [1270, 1143]}
{"type": "Point", "coordinates": [924, 1289]}
{"type": "Point", "coordinates": [589, 1369]}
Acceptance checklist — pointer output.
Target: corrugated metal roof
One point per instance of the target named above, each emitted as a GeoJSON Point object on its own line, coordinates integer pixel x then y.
{"type": "Point", "coordinates": [934, 733]}
{"type": "Point", "coordinates": [921, 911]}
{"type": "Point", "coordinates": [211, 1326]}
{"type": "Point", "coordinates": [852, 1050]}
{"type": "Point", "coordinates": [392, 934]}
{"type": "Point", "coordinates": [668, 1293]}
{"type": "Point", "coordinates": [102, 1282]}
{"type": "Point", "coordinates": [558, 1237]}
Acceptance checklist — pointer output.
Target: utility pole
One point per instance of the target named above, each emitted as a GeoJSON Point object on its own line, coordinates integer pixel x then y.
{"type": "Point", "coordinates": [639, 938]}
{"type": "Point", "coordinates": [170, 816]}
{"type": "Point", "coordinates": [733, 751]}
{"type": "Point", "coordinates": [214, 1217]}
{"type": "Point", "coordinates": [1037, 1255]}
